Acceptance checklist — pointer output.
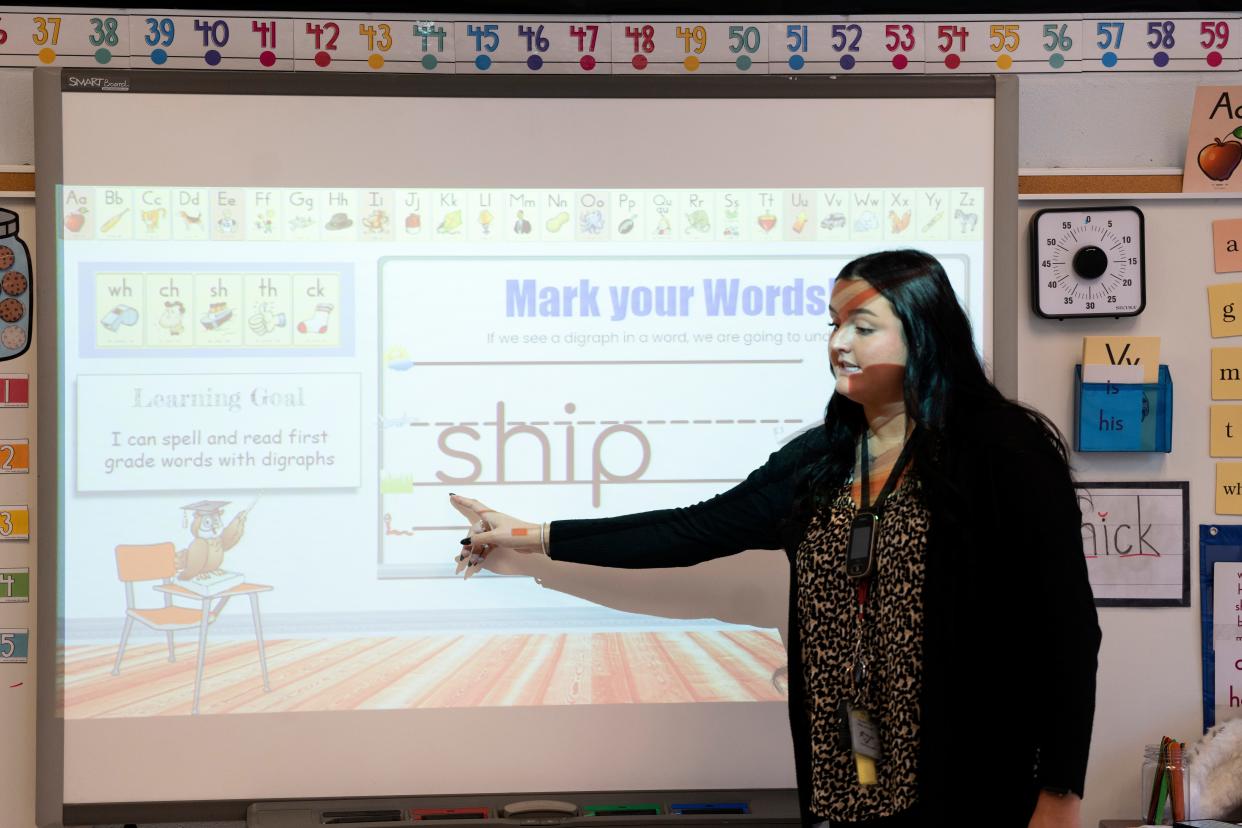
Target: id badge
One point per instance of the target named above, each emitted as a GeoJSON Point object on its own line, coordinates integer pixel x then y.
{"type": "Point", "coordinates": [861, 737]}
{"type": "Point", "coordinates": [864, 735]}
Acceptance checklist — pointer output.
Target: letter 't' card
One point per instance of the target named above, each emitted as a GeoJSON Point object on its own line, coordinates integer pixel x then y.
{"type": "Point", "coordinates": [1226, 431]}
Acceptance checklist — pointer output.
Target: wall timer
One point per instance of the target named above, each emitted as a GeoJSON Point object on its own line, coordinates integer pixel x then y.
{"type": "Point", "coordinates": [1088, 262]}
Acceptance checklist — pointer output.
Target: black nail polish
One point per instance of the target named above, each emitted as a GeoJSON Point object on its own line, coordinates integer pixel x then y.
{"type": "Point", "coordinates": [452, 494]}
{"type": "Point", "coordinates": [465, 541]}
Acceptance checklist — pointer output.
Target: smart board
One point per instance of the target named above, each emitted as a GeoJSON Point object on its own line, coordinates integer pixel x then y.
{"type": "Point", "coordinates": [290, 315]}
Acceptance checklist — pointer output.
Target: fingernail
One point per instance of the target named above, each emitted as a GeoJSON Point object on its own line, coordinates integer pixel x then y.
{"type": "Point", "coordinates": [452, 494]}
{"type": "Point", "coordinates": [465, 541]}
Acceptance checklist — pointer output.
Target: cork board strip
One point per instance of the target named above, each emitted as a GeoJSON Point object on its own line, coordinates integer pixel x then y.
{"type": "Point", "coordinates": [1071, 184]}
{"type": "Point", "coordinates": [19, 182]}
{"type": "Point", "coordinates": [1027, 184]}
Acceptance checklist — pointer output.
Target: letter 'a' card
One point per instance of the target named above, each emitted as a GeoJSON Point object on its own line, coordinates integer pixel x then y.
{"type": "Point", "coordinates": [1227, 245]}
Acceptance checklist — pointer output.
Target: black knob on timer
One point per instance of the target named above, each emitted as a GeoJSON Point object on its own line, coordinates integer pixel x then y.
{"type": "Point", "coordinates": [1090, 262]}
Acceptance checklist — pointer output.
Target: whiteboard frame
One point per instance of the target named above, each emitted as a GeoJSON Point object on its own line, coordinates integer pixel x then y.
{"type": "Point", "coordinates": [50, 84]}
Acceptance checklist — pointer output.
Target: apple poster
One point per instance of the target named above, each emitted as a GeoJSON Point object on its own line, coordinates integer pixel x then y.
{"type": "Point", "coordinates": [1214, 146]}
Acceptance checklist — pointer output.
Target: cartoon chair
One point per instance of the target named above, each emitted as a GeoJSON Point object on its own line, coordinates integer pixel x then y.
{"type": "Point", "coordinates": [157, 562]}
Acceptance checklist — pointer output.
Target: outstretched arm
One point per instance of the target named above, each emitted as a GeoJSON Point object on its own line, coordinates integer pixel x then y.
{"type": "Point", "coordinates": [747, 516]}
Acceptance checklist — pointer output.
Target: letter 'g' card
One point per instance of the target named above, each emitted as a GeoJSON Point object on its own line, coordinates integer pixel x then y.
{"type": "Point", "coordinates": [1225, 309]}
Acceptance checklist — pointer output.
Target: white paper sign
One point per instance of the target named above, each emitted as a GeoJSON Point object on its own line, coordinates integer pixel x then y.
{"type": "Point", "coordinates": [1227, 639]}
{"type": "Point", "coordinates": [1134, 540]}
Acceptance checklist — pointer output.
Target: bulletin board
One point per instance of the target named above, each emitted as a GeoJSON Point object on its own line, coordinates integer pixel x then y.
{"type": "Point", "coordinates": [1219, 545]}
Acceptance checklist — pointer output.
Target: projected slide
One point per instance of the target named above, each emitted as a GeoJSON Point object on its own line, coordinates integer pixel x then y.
{"type": "Point", "coordinates": [270, 392]}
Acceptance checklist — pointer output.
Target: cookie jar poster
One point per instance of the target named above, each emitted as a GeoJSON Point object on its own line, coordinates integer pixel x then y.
{"type": "Point", "coordinates": [1214, 147]}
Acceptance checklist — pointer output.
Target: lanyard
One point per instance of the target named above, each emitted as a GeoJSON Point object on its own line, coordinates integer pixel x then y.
{"type": "Point", "coordinates": [877, 508]}
{"type": "Point", "coordinates": [903, 460]}
{"type": "Point", "coordinates": [859, 672]}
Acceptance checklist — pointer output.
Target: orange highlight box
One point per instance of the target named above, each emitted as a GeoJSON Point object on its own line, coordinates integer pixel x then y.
{"type": "Point", "coordinates": [14, 523]}
{"type": "Point", "coordinates": [14, 455]}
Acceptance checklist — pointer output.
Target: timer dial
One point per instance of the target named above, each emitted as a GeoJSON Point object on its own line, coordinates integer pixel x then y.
{"type": "Point", "coordinates": [1088, 262]}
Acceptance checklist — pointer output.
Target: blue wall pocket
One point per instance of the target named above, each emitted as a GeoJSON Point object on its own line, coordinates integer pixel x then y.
{"type": "Point", "coordinates": [1110, 416]}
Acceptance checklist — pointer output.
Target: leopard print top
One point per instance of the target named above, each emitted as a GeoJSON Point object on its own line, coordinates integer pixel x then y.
{"type": "Point", "coordinates": [892, 642]}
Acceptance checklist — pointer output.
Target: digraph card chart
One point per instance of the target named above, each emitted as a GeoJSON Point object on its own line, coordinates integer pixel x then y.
{"type": "Point", "coordinates": [630, 45]}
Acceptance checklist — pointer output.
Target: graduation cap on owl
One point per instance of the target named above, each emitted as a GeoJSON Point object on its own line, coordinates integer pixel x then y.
{"type": "Point", "coordinates": [202, 508]}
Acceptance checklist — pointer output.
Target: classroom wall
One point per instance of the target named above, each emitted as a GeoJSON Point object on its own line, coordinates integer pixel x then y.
{"type": "Point", "coordinates": [1135, 120]}
{"type": "Point", "coordinates": [17, 681]}
{"type": "Point", "coordinates": [1149, 677]}
{"type": "Point", "coordinates": [1098, 120]}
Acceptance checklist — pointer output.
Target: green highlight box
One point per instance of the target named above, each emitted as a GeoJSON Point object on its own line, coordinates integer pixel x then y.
{"type": "Point", "coordinates": [14, 586]}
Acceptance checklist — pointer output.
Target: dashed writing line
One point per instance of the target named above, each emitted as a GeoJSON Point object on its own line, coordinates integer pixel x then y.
{"type": "Point", "coordinates": [616, 482]}
{"type": "Point", "coordinates": [447, 423]}
{"type": "Point", "coordinates": [388, 530]}
{"type": "Point", "coordinates": [615, 362]}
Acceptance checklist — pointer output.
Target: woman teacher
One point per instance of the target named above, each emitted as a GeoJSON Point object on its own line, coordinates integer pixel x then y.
{"type": "Point", "coordinates": [942, 632]}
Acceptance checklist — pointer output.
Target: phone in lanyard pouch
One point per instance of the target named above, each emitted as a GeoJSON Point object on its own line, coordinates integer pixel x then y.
{"type": "Point", "coordinates": [860, 556]}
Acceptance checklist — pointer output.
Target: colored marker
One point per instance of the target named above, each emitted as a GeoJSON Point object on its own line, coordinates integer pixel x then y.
{"type": "Point", "coordinates": [427, 814]}
{"type": "Point", "coordinates": [647, 809]}
{"type": "Point", "coordinates": [693, 808]}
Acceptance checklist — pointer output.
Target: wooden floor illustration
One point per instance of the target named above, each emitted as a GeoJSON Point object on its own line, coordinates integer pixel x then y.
{"type": "Point", "coordinates": [473, 670]}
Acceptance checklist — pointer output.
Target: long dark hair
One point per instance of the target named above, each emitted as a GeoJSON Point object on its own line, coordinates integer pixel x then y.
{"type": "Point", "coordinates": [945, 387]}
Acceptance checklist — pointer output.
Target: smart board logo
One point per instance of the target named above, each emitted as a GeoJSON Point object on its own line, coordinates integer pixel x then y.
{"type": "Point", "coordinates": [100, 84]}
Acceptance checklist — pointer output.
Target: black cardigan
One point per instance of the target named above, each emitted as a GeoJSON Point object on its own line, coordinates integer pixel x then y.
{"type": "Point", "coordinates": [1011, 634]}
